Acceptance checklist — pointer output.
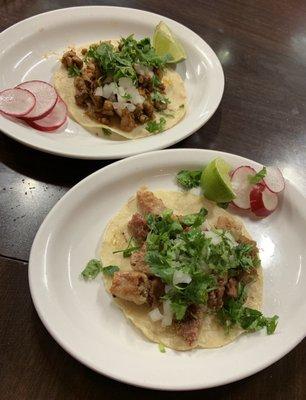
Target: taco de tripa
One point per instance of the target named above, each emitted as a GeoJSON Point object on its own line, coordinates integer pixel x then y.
{"type": "Point", "coordinates": [189, 275]}
{"type": "Point", "coordinates": [121, 86]}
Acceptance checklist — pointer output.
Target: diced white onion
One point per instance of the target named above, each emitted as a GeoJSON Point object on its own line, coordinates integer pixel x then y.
{"type": "Point", "coordinates": [230, 237]}
{"type": "Point", "coordinates": [109, 89]}
{"type": "Point", "coordinates": [99, 91]}
{"type": "Point", "coordinates": [155, 315]}
{"type": "Point", "coordinates": [168, 313]}
{"type": "Point", "coordinates": [215, 239]}
{"type": "Point", "coordinates": [130, 107]}
{"type": "Point", "coordinates": [181, 277]}
{"type": "Point", "coordinates": [206, 226]}
{"type": "Point", "coordinates": [143, 70]}
{"type": "Point", "coordinates": [167, 288]}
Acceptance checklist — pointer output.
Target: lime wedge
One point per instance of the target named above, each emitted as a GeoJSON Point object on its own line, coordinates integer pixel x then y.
{"type": "Point", "coordinates": [215, 181]}
{"type": "Point", "coordinates": [165, 43]}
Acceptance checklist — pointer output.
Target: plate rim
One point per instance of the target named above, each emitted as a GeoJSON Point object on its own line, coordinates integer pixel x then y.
{"type": "Point", "coordinates": [80, 358]}
{"type": "Point", "coordinates": [115, 154]}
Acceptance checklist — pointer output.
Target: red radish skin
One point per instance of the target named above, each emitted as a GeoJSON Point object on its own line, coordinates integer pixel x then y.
{"type": "Point", "coordinates": [242, 187]}
{"type": "Point", "coordinates": [46, 98]}
{"type": "Point", "coordinates": [274, 180]}
{"type": "Point", "coordinates": [263, 201]}
{"type": "Point", "coordinates": [16, 102]}
{"type": "Point", "coordinates": [54, 120]}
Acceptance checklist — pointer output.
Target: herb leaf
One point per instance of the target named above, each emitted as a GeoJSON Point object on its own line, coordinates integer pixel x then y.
{"type": "Point", "coordinates": [92, 269]}
{"type": "Point", "coordinates": [258, 177]}
{"type": "Point", "coordinates": [156, 127]}
{"type": "Point", "coordinates": [194, 220]}
{"type": "Point", "coordinates": [73, 70]}
{"type": "Point", "coordinates": [161, 348]}
{"type": "Point", "coordinates": [189, 179]}
{"type": "Point", "coordinates": [129, 250]}
{"type": "Point", "coordinates": [110, 270]}
{"type": "Point", "coordinates": [157, 96]}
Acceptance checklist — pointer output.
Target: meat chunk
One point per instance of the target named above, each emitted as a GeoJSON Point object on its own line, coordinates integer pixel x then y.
{"type": "Point", "coordinates": [70, 59]}
{"type": "Point", "coordinates": [91, 72]}
{"type": "Point", "coordinates": [160, 105]}
{"type": "Point", "coordinates": [231, 288]}
{"type": "Point", "coordinates": [139, 115]}
{"type": "Point", "coordinates": [138, 227]}
{"type": "Point", "coordinates": [189, 328]}
{"type": "Point", "coordinates": [138, 262]}
{"type": "Point", "coordinates": [157, 289]}
{"type": "Point", "coordinates": [108, 108]}
{"type": "Point", "coordinates": [131, 285]}
{"type": "Point", "coordinates": [215, 297]}
{"type": "Point", "coordinates": [148, 108]}
{"type": "Point", "coordinates": [148, 203]}
{"type": "Point", "coordinates": [127, 122]}
{"type": "Point", "coordinates": [81, 92]}
{"type": "Point", "coordinates": [145, 81]}
{"type": "Point", "coordinates": [247, 276]}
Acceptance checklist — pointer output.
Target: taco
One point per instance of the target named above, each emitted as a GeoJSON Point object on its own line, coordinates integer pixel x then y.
{"type": "Point", "coordinates": [187, 274]}
{"type": "Point", "coordinates": [121, 86]}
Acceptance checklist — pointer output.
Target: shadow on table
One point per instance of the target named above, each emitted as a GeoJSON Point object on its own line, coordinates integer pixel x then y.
{"type": "Point", "coordinates": [45, 167]}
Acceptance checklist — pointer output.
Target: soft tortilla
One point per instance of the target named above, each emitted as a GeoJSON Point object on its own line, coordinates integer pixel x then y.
{"type": "Point", "coordinates": [175, 92]}
{"type": "Point", "coordinates": [116, 237]}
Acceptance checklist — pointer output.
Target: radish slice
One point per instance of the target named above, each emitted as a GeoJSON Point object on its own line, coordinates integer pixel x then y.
{"type": "Point", "coordinates": [242, 187]}
{"type": "Point", "coordinates": [56, 118]}
{"type": "Point", "coordinates": [16, 102]}
{"type": "Point", "coordinates": [274, 180]}
{"type": "Point", "coordinates": [263, 201]}
{"type": "Point", "coordinates": [45, 95]}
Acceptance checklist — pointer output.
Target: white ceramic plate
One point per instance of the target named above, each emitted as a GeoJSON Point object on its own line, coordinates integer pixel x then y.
{"type": "Point", "coordinates": [31, 50]}
{"type": "Point", "coordinates": [82, 318]}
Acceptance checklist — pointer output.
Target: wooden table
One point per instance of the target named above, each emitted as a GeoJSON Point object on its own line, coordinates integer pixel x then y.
{"type": "Point", "coordinates": [262, 47]}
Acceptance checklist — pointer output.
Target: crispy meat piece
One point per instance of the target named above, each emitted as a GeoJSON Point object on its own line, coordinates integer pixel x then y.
{"type": "Point", "coordinates": [127, 122]}
{"type": "Point", "coordinates": [148, 108]}
{"type": "Point", "coordinates": [84, 51]}
{"type": "Point", "coordinates": [215, 297]}
{"type": "Point", "coordinates": [231, 288]}
{"type": "Point", "coordinates": [81, 92]}
{"type": "Point", "coordinates": [70, 59]}
{"type": "Point", "coordinates": [145, 81]}
{"type": "Point", "coordinates": [157, 289]}
{"type": "Point", "coordinates": [247, 276]}
{"type": "Point", "coordinates": [189, 328]}
{"type": "Point", "coordinates": [138, 227]}
{"type": "Point", "coordinates": [108, 108]}
{"type": "Point", "coordinates": [131, 285]}
{"type": "Point", "coordinates": [159, 105]}
{"type": "Point", "coordinates": [139, 115]}
{"type": "Point", "coordinates": [91, 72]}
{"type": "Point", "coordinates": [148, 203]}
{"type": "Point", "coordinates": [138, 262]}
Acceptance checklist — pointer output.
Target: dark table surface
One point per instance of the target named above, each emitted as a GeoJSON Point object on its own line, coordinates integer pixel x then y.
{"type": "Point", "coordinates": [262, 116]}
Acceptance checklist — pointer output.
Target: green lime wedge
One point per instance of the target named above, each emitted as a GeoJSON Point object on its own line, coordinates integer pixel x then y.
{"type": "Point", "coordinates": [215, 181]}
{"type": "Point", "coordinates": [165, 43]}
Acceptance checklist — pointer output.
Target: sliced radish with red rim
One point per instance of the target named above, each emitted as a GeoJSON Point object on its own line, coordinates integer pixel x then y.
{"type": "Point", "coordinates": [274, 180]}
{"type": "Point", "coordinates": [45, 95]}
{"type": "Point", "coordinates": [242, 186]}
{"type": "Point", "coordinates": [263, 201]}
{"type": "Point", "coordinates": [55, 119]}
{"type": "Point", "coordinates": [16, 102]}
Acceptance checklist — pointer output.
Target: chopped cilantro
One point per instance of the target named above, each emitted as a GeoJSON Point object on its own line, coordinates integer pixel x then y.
{"type": "Point", "coordinates": [106, 131]}
{"type": "Point", "coordinates": [73, 70]}
{"type": "Point", "coordinates": [110, 270]}
{"type": "Point", "coordinates": [157, 96]}
{"type": "Point", "coordinates": [234, 313]}
{"type": "Point", "coordinates": [182, 106]}
{"type": "Point", "coordinates": [92, 269]}
{"type": "Point", "coordinates": [127, 96]}
{"type": "Point", "coordinates": [161, 348]}
{"type": "Point", "coordinates": [129, 250]}
{"type": "Point", "coordinates": [156, 81]}
{"type": "Point", "coordinates": [156, 127]}
{"type": "Point", "coordinates": [189, 179]}
{"type": "Point", "coordinates": [167, 115]}
{"type": "Point", "coordinates": [119, 62]}
{"type": "Point", "coordinates": [258, 177]}
{"type": "Point", "coordinates": [194, 220]}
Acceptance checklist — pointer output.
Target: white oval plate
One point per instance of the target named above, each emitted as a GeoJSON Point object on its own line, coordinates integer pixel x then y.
{"type": "Point", "coordinates": [32, 48]}
{"type": "Point", "coordinates": [83, 319]}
